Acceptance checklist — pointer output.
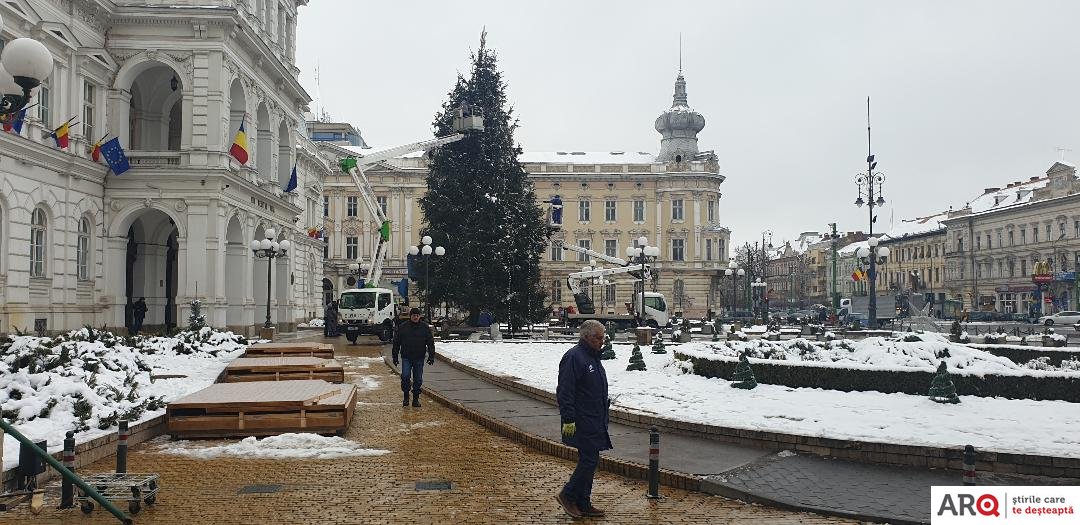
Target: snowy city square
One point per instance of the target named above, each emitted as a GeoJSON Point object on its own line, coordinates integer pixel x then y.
{"type": "Point", "coordinates": [328, 261]}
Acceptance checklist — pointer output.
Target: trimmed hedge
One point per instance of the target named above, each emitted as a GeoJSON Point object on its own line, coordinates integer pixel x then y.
{"type": "Point", "coordinates": [890, 381]}
{"type": "Point", "coordinates": [1021, 356]}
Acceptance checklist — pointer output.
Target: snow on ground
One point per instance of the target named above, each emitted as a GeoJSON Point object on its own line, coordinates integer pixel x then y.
{"type": "Point", "coordinates": [668, 389]}
{"type": "Point", "coordinates": [317, 322]}
{"type": "Point", "coordinates": [875, 353]}
{"type": "Point", "coordinates": [45, 382]}
{"type": "Point", "coordinates": [283, 446]}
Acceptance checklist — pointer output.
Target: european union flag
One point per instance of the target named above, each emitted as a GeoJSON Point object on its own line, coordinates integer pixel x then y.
{"type": "Point", "coordinates": [114, 156]}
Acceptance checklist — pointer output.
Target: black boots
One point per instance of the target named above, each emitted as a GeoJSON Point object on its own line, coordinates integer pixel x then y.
{"type": "Point", "coordinates": [416, 400]}
{"type": "Point", "coordinates": [405, 400]}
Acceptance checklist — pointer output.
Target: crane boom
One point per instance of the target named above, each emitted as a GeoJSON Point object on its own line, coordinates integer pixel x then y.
{"type": "Point", "coordinates": [354, 166]}
{"type": "Point", "coordinates": [603, 257]}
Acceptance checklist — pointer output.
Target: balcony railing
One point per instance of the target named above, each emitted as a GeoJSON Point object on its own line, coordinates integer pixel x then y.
{"type": "Point", "coordinates": [153, 159]}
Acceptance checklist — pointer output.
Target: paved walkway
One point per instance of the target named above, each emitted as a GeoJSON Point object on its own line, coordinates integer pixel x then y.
{"type": "Point", "coordinates": [493, 480]}
{"type": "Point", "coordinates": [835, 487]}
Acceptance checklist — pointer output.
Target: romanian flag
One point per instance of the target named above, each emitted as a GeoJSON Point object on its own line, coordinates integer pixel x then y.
{"type": "Point", "coordinates": [858, 275]}
{"type": "Point", "coordinates": [239, 149]}
{"type": "Point", "coordinates": [60, 135]}
{"type": "Point", "coordinates": [95, 152]}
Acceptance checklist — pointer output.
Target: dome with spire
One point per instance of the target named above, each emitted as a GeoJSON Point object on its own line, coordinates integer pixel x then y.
{"type": "Point", "coordinates": [679, 126]}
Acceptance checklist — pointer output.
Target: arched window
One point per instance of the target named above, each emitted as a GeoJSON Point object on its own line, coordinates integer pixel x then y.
{"type": "Point", "coordinates": [38, 228]}
{"type": "Point", "coordinates": [82, 256]}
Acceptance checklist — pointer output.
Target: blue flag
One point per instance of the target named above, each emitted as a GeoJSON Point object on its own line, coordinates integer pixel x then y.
{"type": "Point", "coordinates": [114, 156]}
{"type": "Point", "coordinates": [14, 123]}
{"type": "Point", "coordinates": [292, 180]}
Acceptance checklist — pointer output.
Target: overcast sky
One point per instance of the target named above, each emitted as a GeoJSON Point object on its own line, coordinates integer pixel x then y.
{"type": "Point", "coordinates": [965, 95]}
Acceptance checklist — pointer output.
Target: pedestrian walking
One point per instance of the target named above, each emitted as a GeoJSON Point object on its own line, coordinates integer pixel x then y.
{"type": "Point", "coordinates": [328, 319]}
{"type": "Point", "coordinates": [412, 340]}
{"type": "Point", "coordinates": [582, 394]}
{"type": "Point", "coordinates": [138, 311]}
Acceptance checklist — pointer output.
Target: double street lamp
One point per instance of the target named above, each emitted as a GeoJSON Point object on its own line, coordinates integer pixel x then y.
{"type": "Point", "coordinates": [641, 254]}
{"type": "Point", "coordinates": [269, 249]}
{"type": "Point", "coordinates": [426, 249]}
{"type": "Point", "coordinates": [24, 64]}
{"type": "Point", "coordinates": [760, 287]}
{"type": "Point", "coordinates": [734, 272]}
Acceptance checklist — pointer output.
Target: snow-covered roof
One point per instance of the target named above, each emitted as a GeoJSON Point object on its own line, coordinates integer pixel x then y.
{"type": "Point", "coordinates": [1020, 193]}
{"type": "Point", "coordinates": [587, 157]}
{"type": "Point", "coordinates": [917, 226]}
{"type": "Point", "coordinates": [547, 157]}
{"type": "Point", "coordinates": [852, 248]}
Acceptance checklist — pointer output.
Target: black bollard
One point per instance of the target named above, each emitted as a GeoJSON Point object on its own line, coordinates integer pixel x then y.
{"type": "Point", "coordinates": [67, 488]}
{"type": "Point", "coordinates": [654, 464]}
{"type": "Point", "coordinates": [122, 449]}
{"type": "Point", "coordinates": [969, 465]}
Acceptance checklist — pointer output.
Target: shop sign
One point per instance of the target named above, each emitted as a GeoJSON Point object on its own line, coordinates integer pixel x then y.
{"type": "Point", "coordinates": [1042, 278]}
{"type": "Point", "coordinates": [1065, 276]}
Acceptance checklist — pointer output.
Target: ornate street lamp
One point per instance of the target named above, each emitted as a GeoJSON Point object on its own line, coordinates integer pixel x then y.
{"type": "Point", "coordinates": [426, 249]}
{"type": "Point", "coordinates": [269, 249]}
{"type": "Point", "coordinates": [24, 63]}
{"type": "Point", "coordinates": [641, 254]}
{"type": "Point", "coordinates": [734, 272]}
{"type": "Point", "coordinates": [760, 287]}
{"type": "Point", "coordinates": [869, 184]}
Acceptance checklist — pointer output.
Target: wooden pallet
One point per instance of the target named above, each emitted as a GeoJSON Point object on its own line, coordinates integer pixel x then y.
{"type": "Point", "coordinates": [323, 350]}
{"type": "Point", "coordinates": [262, 408]}
{"type": "Point", "coordinates": [283, 369]}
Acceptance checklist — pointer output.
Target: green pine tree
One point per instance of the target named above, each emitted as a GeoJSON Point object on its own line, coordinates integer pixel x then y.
{"type": "Point", "coordinates": [658, 343]}
{"type": "Point", "coordinates": [609, 335]}
{"type": "Point", "coordinates": [942, 388]}
{"type": "Point", "coordinates": [482, 207]}
{"type": "Point", "coordinates": [196, 320]}
{"type": "Point", "coordinates": [744, 376]}
{"type": "Point", "coordinates": [636, 361]}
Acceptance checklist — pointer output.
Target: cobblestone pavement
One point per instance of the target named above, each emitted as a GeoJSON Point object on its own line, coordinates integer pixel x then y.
{"type": "Point", "coordinates": [493, 479]}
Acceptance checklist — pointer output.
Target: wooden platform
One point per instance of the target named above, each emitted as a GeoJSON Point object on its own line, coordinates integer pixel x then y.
{"type": "Point", "coordinates": [283, 369]}
{"type": "Point", "coordinates": [323, 350]}
{"type": "Point", "coordinates": [262, 408]}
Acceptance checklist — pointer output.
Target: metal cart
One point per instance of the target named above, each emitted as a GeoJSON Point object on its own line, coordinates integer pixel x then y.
{"type": "Point", "coordinates": [135, 489]}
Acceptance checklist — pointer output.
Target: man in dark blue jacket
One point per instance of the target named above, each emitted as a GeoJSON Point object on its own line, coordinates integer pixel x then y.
{"type": "Point", "coordinates": [583, 407]}
{"type": "Point", "coordinates": [412, 340]}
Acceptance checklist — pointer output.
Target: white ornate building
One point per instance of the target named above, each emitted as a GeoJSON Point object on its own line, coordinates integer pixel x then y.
{"type": "Point", "coordinates": [173, 80]}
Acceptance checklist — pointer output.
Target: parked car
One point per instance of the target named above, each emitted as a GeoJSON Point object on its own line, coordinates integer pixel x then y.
{"type": "Point", "coordinates": [1066, 317]}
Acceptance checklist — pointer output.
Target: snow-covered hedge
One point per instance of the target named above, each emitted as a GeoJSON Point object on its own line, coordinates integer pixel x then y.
{"type": "Point", "coordinates": [884, 365]}
{"type": "Point", "coordinates": [91, 378]}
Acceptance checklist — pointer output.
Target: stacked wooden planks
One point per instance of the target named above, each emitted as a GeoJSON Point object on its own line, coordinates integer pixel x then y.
{"type": "Point", "coordinates": [263, 408]}
{"type": "Point", "coordinates": [283, 369]}
{"type": "Point", "coordinates": [323, 350]}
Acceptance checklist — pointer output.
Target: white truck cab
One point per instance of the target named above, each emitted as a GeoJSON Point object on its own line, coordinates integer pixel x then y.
{"type": "Point", "coordinates": [372, 311]}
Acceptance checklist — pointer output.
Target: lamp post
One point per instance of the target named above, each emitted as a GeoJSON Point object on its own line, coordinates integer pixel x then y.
{"type": "Point", "coordinates": [734, 272]}
{"type": "Point", "coordinates": [269, 249]}
{"type": "Point", "coordinates": [641, 254]}
{"type": "Point", "coordinates": [426, 249]}
{"type": "Point", "coordinates": [760, 287]}
{"type": "Point", "coordinates": [24, 63]}
{"type": "Point", "coordinates": [873, 256]}
{"type": "Point", "coordinates": [867, 183]}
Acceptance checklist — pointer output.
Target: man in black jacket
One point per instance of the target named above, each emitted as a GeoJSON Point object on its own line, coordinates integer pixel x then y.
{"type": "Point", "coordinates": [582, 393]}
{"type": "Point", "coordinates": [413, 339]}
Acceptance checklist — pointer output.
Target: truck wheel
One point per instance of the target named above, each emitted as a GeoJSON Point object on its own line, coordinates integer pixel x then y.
{"type": "Point", "coordinates": [387, 333]}
{"type": "Point", "coordinates": [351, 338]}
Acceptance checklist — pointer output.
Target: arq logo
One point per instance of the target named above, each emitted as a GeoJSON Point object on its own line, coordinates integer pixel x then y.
{"type": "Point", "coordinates": [969, 505]}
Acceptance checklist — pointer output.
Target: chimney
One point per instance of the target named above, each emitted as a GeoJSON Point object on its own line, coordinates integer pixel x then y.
{"type": "Point", "coordinates": [990, 190]}
{"type": "Point", "coordinates": [1033, 179]}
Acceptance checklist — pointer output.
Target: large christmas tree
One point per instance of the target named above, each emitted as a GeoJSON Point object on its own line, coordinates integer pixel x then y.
{"type": "Point", "coordinates": [481, 206]}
